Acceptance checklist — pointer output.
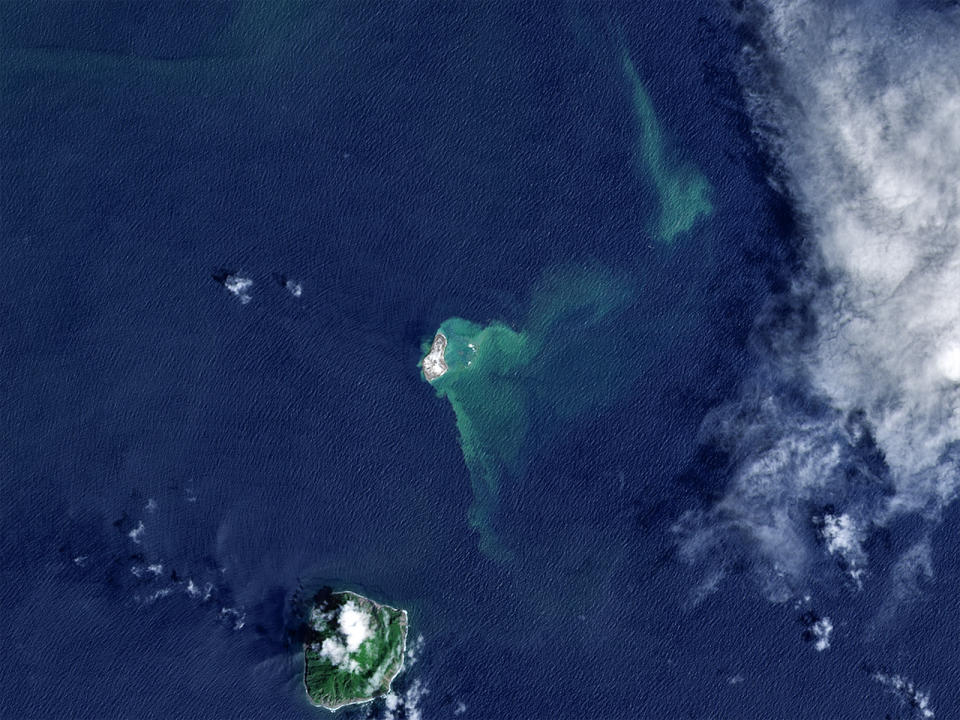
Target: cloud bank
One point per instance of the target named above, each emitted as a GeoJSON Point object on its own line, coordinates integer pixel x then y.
{"type": "Point", "coordinates": [854, 420]}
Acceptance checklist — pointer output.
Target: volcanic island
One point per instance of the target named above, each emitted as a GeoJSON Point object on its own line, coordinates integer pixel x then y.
{"type": "Point", "coordinates": [434, 363]}
{"type": "Point", "coordinates": [353, 649]}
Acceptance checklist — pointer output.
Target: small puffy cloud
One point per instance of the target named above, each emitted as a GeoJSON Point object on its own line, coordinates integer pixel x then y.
{"type": "Point", "coordinates": [413, 651]}
{"type": "Point", "coordinates": [354, 625]}
{"type": "Point", "coordinates": [843, 538]}
{"type": "Point", "coordinates": [295, 288]}
{"type": "Point", "coordinates": [907, 691]}
{"type": "Point", "coordinates": [821, 631]}
{"type": "Point", "coordinates": [338, 654]}
{"type": "Point", "coordinates": [239, 286]}
{"type": "Point", "coordinates": [137, 533]}
{"type": "Point", "coordinates": [406, 704]}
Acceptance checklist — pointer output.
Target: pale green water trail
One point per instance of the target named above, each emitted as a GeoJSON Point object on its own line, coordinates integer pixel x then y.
{"type": "Point", "coordinates": [506, 385]}
{"type": "Point", "coordinates": [683, 193]}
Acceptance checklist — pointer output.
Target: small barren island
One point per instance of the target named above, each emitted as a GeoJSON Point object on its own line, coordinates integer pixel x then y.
{"type": "Point", "coordinates": [434, 364]}
{"type": "Point", "coordinates": [353, 649]}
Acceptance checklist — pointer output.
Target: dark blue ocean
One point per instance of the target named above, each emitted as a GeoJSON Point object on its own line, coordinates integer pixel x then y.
{"type": "Point", "coordinates": [180, 464]}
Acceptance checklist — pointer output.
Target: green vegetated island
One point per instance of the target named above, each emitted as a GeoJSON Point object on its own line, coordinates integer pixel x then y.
{"type": "Point", "coordinates": [353, 649]}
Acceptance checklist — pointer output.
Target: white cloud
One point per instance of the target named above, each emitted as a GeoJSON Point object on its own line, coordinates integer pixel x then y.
{"type": "Point", "coordinates": [840, 534]}
{"type": "Point", "coordinates": [843, 537]}
{"type": "Point", "coordinates": [354, 625]}
{"type": "Point", "coordinates": [319, 617]}
{"type": "Point", "coordinates": [391, 700]}
{"type": "Point", "coordinates": [908, 693]}
{"type": "Point", "coordinates": [414, 649]}
{"type": "Point", "coordinates": [907, 574]}
{"type": "Point", "coordinates": [239, 287]}
{"type": "Point", "coordinates": [871, 147]}
{"type": "Point", "coordinates": [860, 409]}
{"type": "Point", "coordinates": [405, 704]}
{"type": "Point", "coordinates": [338, 654]}
{"type": "Point", "coordinates": [237, 618]}
{"type": "Point", "coordinates": [156, 595]}
{"type": "Point", "coordinates": [821, 630]}
{"type": "Point", "coordinates": [137, 533]}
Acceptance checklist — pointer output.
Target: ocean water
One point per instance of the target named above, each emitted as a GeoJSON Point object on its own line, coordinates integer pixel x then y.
{"type": "Point", "coordinates": [228, 229]}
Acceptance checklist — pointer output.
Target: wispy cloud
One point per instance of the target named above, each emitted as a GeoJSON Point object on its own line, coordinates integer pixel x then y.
{"type": "Point", "coordinates": [853, 419]}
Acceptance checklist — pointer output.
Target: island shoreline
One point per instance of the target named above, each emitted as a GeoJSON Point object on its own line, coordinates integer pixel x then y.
{"type": "Point", "coordinates": [434, 363]}
{"type": "Point", "coordinates": [405, 623]}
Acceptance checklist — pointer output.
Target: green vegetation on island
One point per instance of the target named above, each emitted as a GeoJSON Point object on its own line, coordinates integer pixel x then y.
{"type": "Point", "coordinates": [353, 649]}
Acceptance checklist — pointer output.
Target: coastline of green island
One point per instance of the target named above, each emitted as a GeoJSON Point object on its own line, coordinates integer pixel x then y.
{"type": "Point", "coordinates": [353, 648]}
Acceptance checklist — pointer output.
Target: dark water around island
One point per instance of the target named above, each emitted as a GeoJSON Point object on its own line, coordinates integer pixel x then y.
{"type": "Point", "coordinates": [178, 464]}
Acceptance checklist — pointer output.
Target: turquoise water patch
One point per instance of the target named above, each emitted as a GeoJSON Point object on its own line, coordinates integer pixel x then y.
{"type": "Point", "coordinates": [513, 388]}
{"type": "Point", "coordinates": [682, 191]}
{"type": "Point", "coordinates": [506, 385]}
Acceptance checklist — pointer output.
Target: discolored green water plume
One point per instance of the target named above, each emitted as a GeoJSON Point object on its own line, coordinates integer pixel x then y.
{"type": "Point", "coordinates": [682, 192]}
{"type": "Point", "coordinates": [245, 47]}
{"type": "Point", "coordinates": [508, 386]}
